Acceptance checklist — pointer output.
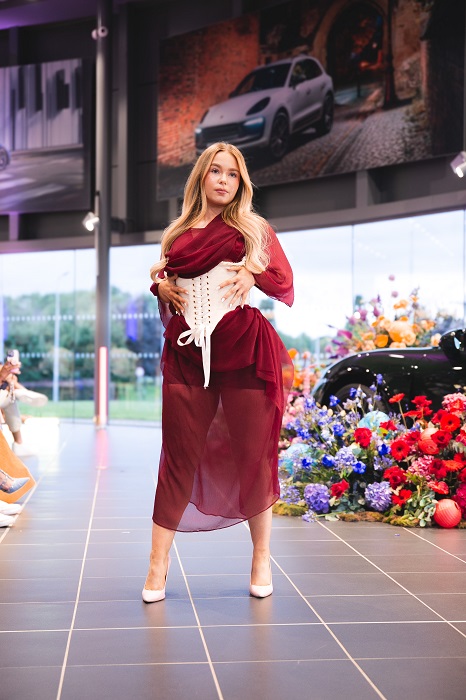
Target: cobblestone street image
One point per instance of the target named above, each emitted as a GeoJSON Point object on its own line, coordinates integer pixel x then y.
{"type": "Point", "coordinates": [370, 137]}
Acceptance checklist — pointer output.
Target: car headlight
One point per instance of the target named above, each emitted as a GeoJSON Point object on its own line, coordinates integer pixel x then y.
{"type": "Point", "coordinates": [254, 125]}
{"type": "Point", "coordinates": [259, 106]}
{"type": "Point", "coordinates": [198, 131]}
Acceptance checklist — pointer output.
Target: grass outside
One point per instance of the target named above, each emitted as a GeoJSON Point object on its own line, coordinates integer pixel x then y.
{"type": "Point", "coordinates": [139, 410]}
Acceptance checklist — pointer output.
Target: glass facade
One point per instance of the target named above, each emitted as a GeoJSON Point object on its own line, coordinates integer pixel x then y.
{"type": "Point", "coordinates": [47, 304]}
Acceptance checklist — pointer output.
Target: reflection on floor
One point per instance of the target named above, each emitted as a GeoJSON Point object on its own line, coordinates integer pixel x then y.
{"type": "Point", "coordinates": [359, 610]}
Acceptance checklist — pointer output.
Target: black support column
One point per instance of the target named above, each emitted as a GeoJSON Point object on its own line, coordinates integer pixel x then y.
{"type": "Point", "coordinates": [103, 36]}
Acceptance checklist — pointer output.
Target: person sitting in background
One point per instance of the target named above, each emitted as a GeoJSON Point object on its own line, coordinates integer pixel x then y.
{"type": "Point", "coordinates": [9, 407]}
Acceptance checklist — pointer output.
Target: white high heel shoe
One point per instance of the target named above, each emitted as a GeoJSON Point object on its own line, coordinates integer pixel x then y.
{"type": "Point", "coordinates": [153, 596]}
{"type": "Point", "coordinates": [262, 591]}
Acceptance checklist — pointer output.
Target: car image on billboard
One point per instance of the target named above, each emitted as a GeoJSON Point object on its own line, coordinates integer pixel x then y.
{"type": "Point", "coordinates": [270, 104]}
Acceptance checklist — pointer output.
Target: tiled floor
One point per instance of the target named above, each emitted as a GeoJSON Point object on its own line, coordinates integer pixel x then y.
{"type": "Point", "coordinates": [359, 611]}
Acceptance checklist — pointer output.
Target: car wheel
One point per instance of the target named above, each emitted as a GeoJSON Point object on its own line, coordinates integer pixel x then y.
{"type": "Point", "coordinates": [279, 136]}
{"type": "Point", "coordinates": [344, 393]}
{"type": "Point", "coordinates": [4, 158]}
{"type": "Point", "coordinates": [325, 123]}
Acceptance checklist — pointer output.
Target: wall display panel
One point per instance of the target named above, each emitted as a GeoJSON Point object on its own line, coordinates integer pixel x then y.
{"type": "Point", "coordinates": [44, 137]}
{"type": "Point", "coordinates": [315, 87]}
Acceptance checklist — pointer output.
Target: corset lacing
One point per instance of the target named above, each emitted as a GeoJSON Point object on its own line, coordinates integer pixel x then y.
{"type": "Point", "coordinates": [205, 309]}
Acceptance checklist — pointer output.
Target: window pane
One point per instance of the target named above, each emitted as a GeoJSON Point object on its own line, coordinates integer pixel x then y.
{"type": "Point", "coordinates": [136, 335]}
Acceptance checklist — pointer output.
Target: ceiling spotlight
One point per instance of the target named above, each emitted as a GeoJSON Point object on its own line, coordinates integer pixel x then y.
{"type": "Point", "coordinates": [90, 221]}
{"type": "Point", "coordinates": [458, 164]}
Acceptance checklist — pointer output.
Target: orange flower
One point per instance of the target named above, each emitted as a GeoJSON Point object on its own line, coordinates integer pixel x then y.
{"type": "Point", "coordinates": [381, 341]}
{"type": "Point", "coordinates": [292, 352]}
{"type": "Point", "coordinates": [402, 304]}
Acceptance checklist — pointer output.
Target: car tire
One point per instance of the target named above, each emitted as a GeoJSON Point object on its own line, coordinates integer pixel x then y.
{"type": "Point", "coordinates": [325, 123]}
{"type": "Point", "coordinates": [4, 158]}
{"type": "Point", "coordinates": [279, 136]}
{"type": "Point", "coordinates": [344, 393]}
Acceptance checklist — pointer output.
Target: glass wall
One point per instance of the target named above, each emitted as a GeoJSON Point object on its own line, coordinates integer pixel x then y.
{"type": "Point", "coordinates": [411, 269]}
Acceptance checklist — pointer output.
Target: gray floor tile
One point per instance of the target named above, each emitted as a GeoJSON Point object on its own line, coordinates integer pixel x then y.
{"type": "Point", "coordinates": [322, 680]}
{"type": "Point", "coordinates": [33, 552]}
{"type": "Point", "coordinates": [122, 536]}
{"type": "Point", "coordinates": [378, 608]}
{"type": "Point", "coordinates": [350, 584]}
{"type": "Point", "coordinates": [141, 646]}
{"type": "Point", "coordinates": [37, 683]}
{"type": "Point", "coordinates": [35, 616]}
{"type": "Point", "coordinates": [217, 565]}
{"type": "Point", "coordinates": [35, 535]}
{"type": "Point", "coordinates": [253, 611]}
{"type": "Point", "coordinates": [419, 679]}
{"type": "Point", "coordinates": [20, 649]}
{"type": "Point", "coordinates": [347, 564]}
{"type": "Point", "coordinates": [171, 612]}
{"type": "Point", "coordinates": [426, 563]}
{"type": "Point", "coordinates": [214, 550]}
{"type": "Point", "coordinates": [271, 642]}
{"type": "Point", "coordinates": [180, 681]}
{"type": "Point", "coordinates": [30, 590]}
{"type": "Point", "coordinates": [398, 641]}
{"type": "Point", "coordinates": [117, 588]}
{"type": "Point", "coordinates": [452, 606]}
{"type": "Point", "coordinates": [234, 585]}
{"type": "Point", "coordinates": [310, 548]}
{"type": "Point", "coordinates": [435, 582]}
{"type": "Point", "coordinates": [41, 568]}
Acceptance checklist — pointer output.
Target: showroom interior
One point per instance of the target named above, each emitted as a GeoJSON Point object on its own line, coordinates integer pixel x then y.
{"type": "Point", "coordinates": [104, 105]}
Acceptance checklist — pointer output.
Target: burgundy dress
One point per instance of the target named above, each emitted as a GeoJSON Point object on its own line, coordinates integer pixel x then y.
{"type": "Point", "coordinates": [219, 459]}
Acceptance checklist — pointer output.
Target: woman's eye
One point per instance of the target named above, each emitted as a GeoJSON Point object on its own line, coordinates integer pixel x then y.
{"type": "Point", "coordinates": [234, 175]}
{"type": "Point", "coordinates": [214, 170]}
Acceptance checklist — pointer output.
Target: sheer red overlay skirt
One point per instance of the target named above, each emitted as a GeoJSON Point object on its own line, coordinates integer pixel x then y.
{"type": "Point", "coordinates": [219, 459]}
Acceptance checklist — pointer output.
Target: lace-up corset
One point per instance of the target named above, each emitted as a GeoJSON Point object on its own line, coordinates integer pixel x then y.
{"type": "Point", "coordinates": [206, 308]}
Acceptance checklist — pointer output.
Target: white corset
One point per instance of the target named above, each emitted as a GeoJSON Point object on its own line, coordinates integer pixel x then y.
{"type": "Point", "coordinates": [205, 308]}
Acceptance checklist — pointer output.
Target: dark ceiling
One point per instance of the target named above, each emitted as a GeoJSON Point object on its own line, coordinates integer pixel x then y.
{"type": "Point", "coordinates": [20, 13]}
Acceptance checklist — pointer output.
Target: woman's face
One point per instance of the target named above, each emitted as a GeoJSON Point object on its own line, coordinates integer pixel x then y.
{"type": "Point", "coordinates": [222, 180]}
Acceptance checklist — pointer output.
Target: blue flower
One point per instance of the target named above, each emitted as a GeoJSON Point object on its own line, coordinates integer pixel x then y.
{"type": "Point", "coordinates": [306, 462]}
{"type": "Point", "coordinates": [338, 430]}
{"type": "Point", "coordinates": [344, 458]}
{"type": "Point", "coordinates": [303, 433]}
{"type": "Point", "coordinates": [290, 494]}
{"type": "Point", "coordinates": [359, 467]}
{"type": "Point", "coordinates": [317, 496]}
{"type": "Point", "coordinates": [378, 496]}
{"type": "Point", "coordinates": [372, 387]}
{"type": "Point", "coordinates": [352, 392]}
{"type": "Point", "coordinates": [328, 461]}
{"type": "Point", "coordinates": [379, 378]}
{"type": "Point", "coordinates": [383, 449]}
{"type": "Point", "coordinates": [333, 401]}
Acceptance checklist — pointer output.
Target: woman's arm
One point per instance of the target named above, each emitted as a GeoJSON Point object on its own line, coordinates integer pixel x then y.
{"type": "Point", "coordinates": [277, 280]}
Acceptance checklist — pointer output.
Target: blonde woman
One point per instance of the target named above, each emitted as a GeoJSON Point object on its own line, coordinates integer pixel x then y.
{"type": "Point", "coordinates": [223, 381]}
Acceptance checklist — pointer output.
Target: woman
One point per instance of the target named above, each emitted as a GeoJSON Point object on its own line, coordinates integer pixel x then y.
{"type": "Point", "coordinates": [223, 384]}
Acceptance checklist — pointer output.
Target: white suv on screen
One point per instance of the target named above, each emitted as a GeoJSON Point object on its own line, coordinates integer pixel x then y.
{"type": "Point", "coordinates": [271, 103]}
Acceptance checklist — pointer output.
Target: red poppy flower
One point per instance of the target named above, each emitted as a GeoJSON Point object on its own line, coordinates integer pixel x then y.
{"type": "Point", "coordinates": [441, 438]}
{"type": "Point", "coordinates": [421, 401]}
{"type": "Point", "coordinates": [363, 436]}
{"type": "Point", "coordinates": [460, 458]}
{"type": "Point", "coordinates": [395, 475]}
{"type": "Point", "coordinates": [339, 489]}
{"type": "Point", "coordinates": [388, 425]}
{"type": "Point", "coordinates": [413, 414]}
{"type": "Point", "coordinates": [401, 498]}
{"type": "Point", "coordinates": [438, 469]}
{"type": "Point", "coordinates": [461, 437]}
{"type": "Point", "coordinates": [439, 487]}
{"type": "Point", "coordinates": [397, 398]}
{"type": "Point", "coordinates": [449, 422]}
{"type": "Point", "coordinates": [399, 449]}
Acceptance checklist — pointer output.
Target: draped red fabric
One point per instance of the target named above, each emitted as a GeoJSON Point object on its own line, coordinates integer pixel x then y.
{"type": "Point", "coordinates": [219, 459]}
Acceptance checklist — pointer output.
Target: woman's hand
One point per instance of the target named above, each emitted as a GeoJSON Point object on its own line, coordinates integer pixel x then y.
{"type": "Point", "coordinates": [239, 285]}
{"type": "Point", "coordinates": [169, 293]}
{"type": "Point", "coordinates": [5, 372]}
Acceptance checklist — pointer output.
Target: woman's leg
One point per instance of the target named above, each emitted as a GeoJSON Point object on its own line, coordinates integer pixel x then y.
{"type": "Point", "coordinates": [261, 528]}
{"type": "Point", "coordinates": [161, 542]}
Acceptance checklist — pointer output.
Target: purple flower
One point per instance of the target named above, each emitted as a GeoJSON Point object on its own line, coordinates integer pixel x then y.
{"type": "Point", "coordinates": [379, 378]}
{"type": "Point", "coordinates": [345, 459]}
{"type": "Point", "coordinates": [338, 430]}
{"type": "Point", "coordinates": [290, 494]}
{"type": "Point", "coordinates": [352, 392]}
{"type": "Point", "coordinates": [317, 497]}
{"type": "Point", "coordinates": [333, 401]}
{"type": "Point", "coordinates": [378, 496]}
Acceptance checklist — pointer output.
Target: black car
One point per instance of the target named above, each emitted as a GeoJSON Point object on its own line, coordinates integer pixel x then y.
{"type": "Point", "coordinates": [433, 372]}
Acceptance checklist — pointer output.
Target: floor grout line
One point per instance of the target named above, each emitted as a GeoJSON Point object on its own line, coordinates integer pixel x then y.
{"type": "Point", "coordinates": [455, 556]}
{"type": "Point", "coordinates": [204, 642]}
{"type": "Point", "coordinates": [78, 592]}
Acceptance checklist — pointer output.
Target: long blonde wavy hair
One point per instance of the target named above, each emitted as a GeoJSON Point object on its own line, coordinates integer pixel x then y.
{"type": "Point", "coordinates": [239, 213]}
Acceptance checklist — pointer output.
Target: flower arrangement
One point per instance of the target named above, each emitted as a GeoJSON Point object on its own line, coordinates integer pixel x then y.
{"type": "Point", "coordinates": [369, 327]}
{"type": "Point", "coordinates": [337, 461]}
{"type": "Point", "coordinates": [306, 372]}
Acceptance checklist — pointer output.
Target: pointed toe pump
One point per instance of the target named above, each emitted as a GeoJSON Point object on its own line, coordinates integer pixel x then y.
{"type": "Point", "coordinates": [154, 596]}
{"type": "Point", "coordinates": [261, 591]}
